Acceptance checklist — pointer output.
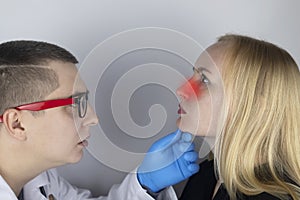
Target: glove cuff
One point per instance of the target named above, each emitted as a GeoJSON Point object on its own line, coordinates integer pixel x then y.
{"type": "Point", "coordinates": [154, 195]}
{"type": "Point", "coordinates": [145, 179]}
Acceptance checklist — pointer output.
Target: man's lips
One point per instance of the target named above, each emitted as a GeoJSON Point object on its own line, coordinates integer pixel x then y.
{"type": "Point", "coordinates": [84, 141]}
{"type": "Point", "coordinates": [181, 110]}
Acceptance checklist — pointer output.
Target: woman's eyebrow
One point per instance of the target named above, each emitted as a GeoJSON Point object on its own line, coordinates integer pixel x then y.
{"type": "Point", "coordinates": [201, 69]}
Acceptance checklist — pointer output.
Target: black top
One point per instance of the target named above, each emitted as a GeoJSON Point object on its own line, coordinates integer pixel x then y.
{"type": "Point", "coordinates": [202, 186]}
{"type": "Point", "coordinates": [21, 195]}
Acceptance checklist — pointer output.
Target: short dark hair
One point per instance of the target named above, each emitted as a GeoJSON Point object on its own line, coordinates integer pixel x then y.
{"type": "Point", "coordinates": [27, 52]}
{"type": "Point", "coordinates": [23, 75]}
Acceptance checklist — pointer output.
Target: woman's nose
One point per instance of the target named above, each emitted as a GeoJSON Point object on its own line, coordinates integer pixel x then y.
{"type": "Point", "coordinates": [188, 90]}
{"type": "Point", "coordinates": [181, 92]}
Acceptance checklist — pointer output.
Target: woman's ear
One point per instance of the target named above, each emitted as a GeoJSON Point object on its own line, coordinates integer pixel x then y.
{"type": "Point", "coordinates": [12, 121]}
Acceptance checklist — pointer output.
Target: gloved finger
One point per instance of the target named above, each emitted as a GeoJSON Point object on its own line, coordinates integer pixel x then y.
{"type": "Point", "coordinates": [186, 137]}
{"type": "Point", "coordinates": [190, 169]}
{"type": "Point", "coordinates": [186, 146]}
{"type": "Point", "coordinates": [166, 141]}
{"type": "Point", "coordinates": [193, 168]}
{"type": "Point", "coordinates": [191, 156]}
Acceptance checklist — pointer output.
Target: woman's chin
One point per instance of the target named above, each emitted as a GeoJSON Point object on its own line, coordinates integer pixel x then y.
{"type": "Point", "coordinates": [185, 129]}
{"type": "Point", "coordinates": [181, 125]}
{"type": "Point", "coordinates": [178, 122]}
{"type": "Point", "coordinates": [185, 126]}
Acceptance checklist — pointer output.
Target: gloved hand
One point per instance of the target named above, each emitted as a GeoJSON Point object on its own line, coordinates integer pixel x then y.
{"type": "Point", "coordinates": [168, 161]}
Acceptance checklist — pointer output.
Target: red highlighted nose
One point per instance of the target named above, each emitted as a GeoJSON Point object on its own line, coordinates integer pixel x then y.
{"type": "Point", "coordinates": [192, 88]}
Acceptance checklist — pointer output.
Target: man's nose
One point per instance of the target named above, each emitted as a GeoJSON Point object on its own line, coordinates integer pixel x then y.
{"type": "Point", "coordinates": [91, 118]}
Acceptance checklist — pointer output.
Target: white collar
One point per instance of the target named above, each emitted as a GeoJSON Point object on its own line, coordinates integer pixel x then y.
{"type": "Point", "coordinates": [5, 191]}
{"type": "Point", "coordinates": [38, 181]}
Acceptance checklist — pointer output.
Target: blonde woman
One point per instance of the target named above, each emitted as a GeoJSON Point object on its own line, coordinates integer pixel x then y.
{"type": "Point", "coordinates": [245, 96]}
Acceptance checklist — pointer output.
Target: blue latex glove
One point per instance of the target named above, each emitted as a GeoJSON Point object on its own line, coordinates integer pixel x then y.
{"type": "Point", "coordinates": [168, 161]}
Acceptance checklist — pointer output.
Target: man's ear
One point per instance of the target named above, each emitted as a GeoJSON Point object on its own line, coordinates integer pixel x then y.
{"type": "Point", "coordinates": [12, 121]}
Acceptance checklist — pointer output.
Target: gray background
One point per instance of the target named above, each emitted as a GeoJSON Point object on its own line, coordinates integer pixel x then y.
{"type": "Point", "coordinates": [80, 25]}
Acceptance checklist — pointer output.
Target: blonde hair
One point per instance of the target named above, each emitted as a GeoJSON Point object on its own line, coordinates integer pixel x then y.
{"type": "Point", "coordinates": [258, 149]}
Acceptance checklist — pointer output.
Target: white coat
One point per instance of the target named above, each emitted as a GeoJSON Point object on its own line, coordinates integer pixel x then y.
{"type": "Point", "coordinates": [55, 185]}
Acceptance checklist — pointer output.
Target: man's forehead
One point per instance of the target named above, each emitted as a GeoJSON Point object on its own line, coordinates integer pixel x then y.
{"type": "Point", "coordinates": [62, 67]}
{"type": "Point", "coordinates": [69, 80]}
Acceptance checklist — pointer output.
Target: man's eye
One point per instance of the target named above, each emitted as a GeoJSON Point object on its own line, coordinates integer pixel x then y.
{"type": "Point", "coordinates": [74, 105]}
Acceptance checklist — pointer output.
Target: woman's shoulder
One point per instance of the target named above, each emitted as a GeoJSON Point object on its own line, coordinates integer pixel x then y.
{"type": "Point", "coordinates": [262, 196]}
{"type": "Point", "coordinates": [200, 185]}
{"type": "Point", "coordinates": [208, 175]}
{"type": "Point", "coordinates": [206, 172]}
{"type": "Point", "coordinates": [207, 165]}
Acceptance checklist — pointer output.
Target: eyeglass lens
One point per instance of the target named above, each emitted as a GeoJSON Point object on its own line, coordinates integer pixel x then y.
{"type": "Point", "coordinates": [82, 107]}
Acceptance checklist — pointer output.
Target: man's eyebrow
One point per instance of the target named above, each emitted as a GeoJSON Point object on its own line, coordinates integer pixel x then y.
{"type": "Point", "coordinates": [78, 94]}
{"type": "Point", "coordinates": [201, 69]}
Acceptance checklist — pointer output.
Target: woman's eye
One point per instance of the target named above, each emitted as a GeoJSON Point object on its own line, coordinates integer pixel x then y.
{"type": "Point", "coordinates": [204, 79]}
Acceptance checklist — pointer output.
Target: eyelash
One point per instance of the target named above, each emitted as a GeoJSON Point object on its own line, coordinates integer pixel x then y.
{"type": "Point", "coordinates": [203, 78]}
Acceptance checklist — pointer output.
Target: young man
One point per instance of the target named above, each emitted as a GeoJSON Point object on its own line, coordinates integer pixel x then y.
{"type": "Point", "coordinates": [44, 123]}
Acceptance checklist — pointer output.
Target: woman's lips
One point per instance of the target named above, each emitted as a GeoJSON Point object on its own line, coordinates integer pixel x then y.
{"type": "Point", "coordinates": [181, 110]}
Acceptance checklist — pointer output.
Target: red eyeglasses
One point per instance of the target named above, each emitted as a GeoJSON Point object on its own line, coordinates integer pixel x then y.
{"type": "Point", "coordinates": [80, 100]}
